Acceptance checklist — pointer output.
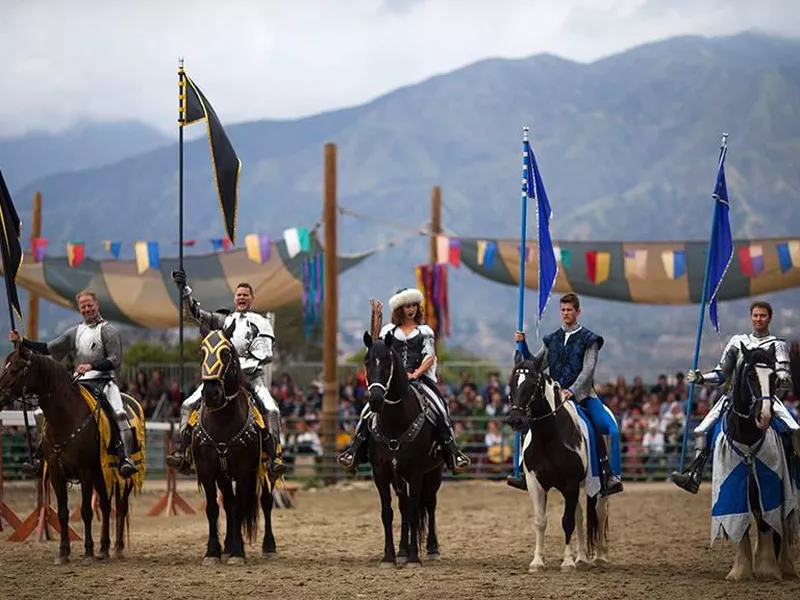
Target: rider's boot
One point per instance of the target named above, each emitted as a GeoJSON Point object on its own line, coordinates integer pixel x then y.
{"type": "Point", "coordinates": [355, 454]}
{"type": "Point", "coordinates": [610, 483]}
{"type": "Point", "coordinates": [36, 468]}
{"type": "Point", "coordinates": [272, 445]}
{"type": "Point", "coordinates": [180, 459]}
{"type": "Point", "coordinates": [690, 479]}
{"type": "Point", "coordinates": [457, 461]}
{"type": "Point", "coordinates": [127, 468]}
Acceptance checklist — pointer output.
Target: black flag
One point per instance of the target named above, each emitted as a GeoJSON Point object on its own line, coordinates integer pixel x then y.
{"type": "Point", "coordinates": [11, 248]}
{"type": "Point", "coordinates": [226, 164]}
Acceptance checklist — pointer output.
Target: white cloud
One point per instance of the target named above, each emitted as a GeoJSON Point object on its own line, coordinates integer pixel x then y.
{"type": "Point", "coordinates": [106, 59]}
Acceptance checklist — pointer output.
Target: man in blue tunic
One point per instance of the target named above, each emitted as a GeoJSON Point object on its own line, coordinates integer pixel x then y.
{"type": "Point", "coordinates": [570, 355]}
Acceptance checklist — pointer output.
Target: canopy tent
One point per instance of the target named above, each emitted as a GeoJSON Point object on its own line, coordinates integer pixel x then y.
{"type": "Point", "coordinates": [150, 299]}
{"type": "Point", "coordinates": [641, 272]}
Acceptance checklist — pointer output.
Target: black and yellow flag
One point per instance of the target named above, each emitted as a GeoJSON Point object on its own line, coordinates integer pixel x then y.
{"type": "Point", "coordinates": [225, 162]}
{"type": "Point", "coordinates": [10, 227]}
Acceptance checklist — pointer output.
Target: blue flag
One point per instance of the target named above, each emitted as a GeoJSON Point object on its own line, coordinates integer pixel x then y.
{"type": "Point", "coordinates": [721, 244]}
{"type": "Point", "coordinates": [548, 267]}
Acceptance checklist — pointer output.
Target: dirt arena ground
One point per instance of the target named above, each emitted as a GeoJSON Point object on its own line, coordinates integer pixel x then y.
{"type": "Point", "coordinates": [330, 544]}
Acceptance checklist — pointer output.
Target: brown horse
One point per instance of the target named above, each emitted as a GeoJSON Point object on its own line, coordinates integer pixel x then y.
{"type": "Point", "coordinates": [71, 445]}
{"type": "Point", "coordinates": [226, 447]}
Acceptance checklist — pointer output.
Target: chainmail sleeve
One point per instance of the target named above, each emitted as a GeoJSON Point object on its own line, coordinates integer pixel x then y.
{"type": "Point", "coordinates": [584, 383]}
{"type": "Point", "coordinates": [63, 345]}
{"type": "Point", "coordinates": [112, 342]}
{"type": "Point", "coordinates": [727, 364]}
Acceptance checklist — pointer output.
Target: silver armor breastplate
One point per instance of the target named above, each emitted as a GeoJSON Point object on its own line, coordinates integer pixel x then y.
{"type": "Point", "coordinates": [89, 346]}
{"type": "Point", "coordinates": [243, 333]}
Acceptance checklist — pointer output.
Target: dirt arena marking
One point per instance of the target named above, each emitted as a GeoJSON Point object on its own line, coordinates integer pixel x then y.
{"type": "Point", "coordinates": [330, 545]}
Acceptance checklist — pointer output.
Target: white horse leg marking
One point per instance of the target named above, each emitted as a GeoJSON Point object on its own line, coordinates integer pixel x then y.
{"type": "Point", "coordinates": [539, 499]}
{"type": "Point", "coordinates": [765, 564]}
{"type": "Point", "coordinates": [582, 560]}
{"type": "Point", "coordinates": [743, 563]}
{"type": "Point", "coordinates": [601, 555]}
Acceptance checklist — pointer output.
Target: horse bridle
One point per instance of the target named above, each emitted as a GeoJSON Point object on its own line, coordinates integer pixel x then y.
{"type": "Point", "coordinates": [385, 386]}
{"type": "Point", "coordinates": [219, 375]}
{"type": "Point", "coordinates": [753, 398]}
{"type": "Point", "coordinates": [538, 389]}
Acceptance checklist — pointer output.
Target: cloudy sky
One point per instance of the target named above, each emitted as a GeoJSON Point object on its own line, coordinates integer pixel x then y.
{"type": "Point", "coordinates": [115, 59]}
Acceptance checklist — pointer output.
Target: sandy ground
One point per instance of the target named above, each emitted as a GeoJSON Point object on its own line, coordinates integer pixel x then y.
{"type": "Point", "coordinates": [329, 546]}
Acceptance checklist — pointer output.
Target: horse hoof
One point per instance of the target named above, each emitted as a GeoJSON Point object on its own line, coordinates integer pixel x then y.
{"type": "Point", "coordinates": [600, 562]}
{"type": "Point", "coordinates": [88, 560]}
{"type": "Point", "coordinates": [103, 555]}
{"type": "Point", "coordinates": [224, 557]}
{"type": "Point", "coordinates": [210, 561]}
{"type": "Point", "coordinates": [236, 560]}
{"type": "Point", "coordinates": [401, 560]}
{"type": "Point", "coordinates": [434, 556]}
{"type": "Point", "coordinates": [270, 554]}
{"type": "Point", "coordinates": [385, 564]}
{"type": "Point", "coordinates": [413, 565]}
{"type": "Point", "coordinates": [567, 567]}
{"type": "Point", "coordinates": [582, 564]}
{"type": "Point", "coordinates": [61, 560]}
{"type": "Point", "coordinates": [119, 555]}
{"type": "Point", "coordinates": [535, 567]}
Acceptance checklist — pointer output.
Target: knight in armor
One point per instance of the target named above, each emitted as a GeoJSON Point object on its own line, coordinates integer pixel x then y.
{"type": "Point", "coordinates": [96, 349]}
{"type": "Point", "coordinates": [570, 356]}
{"type": "Point", "coordinates": [731, 361]}
{"type": "Point", "coordinates": [253, 338]}
{"type": "Point", "coordinates": [416, 342]}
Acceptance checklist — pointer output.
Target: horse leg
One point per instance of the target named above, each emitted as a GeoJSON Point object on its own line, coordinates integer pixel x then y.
{"type": "Point", "coordinates": [385, 493]}
{"type": "Point", "coordinates": [416, 521]}
{"type": "Point", "coordinates": [60, 488]}
{"type": "Point", "coordinates": [765, 563]}
{"type": "Point", "coordinates": [432, 487]}
{"type": "Point", "coordinates": [87, 514]}
{"type": "Point", "coordinates": [743, 563]}
{"type": "Point", "coordinates": [601, 556]}
{"type": "Point", "coordinates": [122, 500]}
{"type": "Point", "coordinates": [268, 548]}
{"type": "Point", "coordinates": [213, 549]}
{"type": "Point", "coordinates": [785, 561]}
{"type": "Point", "coordinates": [228, 499]}
{"type": "Point", "coordinates": [402, 550]}
{"type": "Point", "coordinates": [105, 515]}
{"type": "Point", "coordinates": [245, 511]}
{"type": "Point", "coordinates": [571, 502]}
{"type": "Point", "coordinates": [582, 558]}
{"type": "Point", "coordinates": [539, 498]}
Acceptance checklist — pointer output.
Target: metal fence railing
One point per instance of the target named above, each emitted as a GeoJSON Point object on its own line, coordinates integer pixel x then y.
{"type": "Point", "coordinates": [307, 461]}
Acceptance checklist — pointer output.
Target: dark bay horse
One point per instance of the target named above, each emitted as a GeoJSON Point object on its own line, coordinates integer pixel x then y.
{"type": "Point", "coordinates": [71, 446]}
{"type": "Point", "coordinates": [403, 454]}
{"type": "Point", "coordinates": [555, 454]}
{"type": "Point", "coordinates": [226, 447]}
{"type": "Point", "coordinates": [751, 468]}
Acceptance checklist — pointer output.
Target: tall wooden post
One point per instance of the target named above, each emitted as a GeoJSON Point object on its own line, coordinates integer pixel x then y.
{"type": "Point", "coordinates": [32, 325]}
{"type": "Point", "coordinates": [436, 230]}
{"type": "Point", "coordinates": [330, 398]}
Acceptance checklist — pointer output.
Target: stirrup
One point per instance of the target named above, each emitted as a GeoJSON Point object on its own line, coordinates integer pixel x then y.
{"type": "Point", "coordinates": [127, 468]}
{"type": "Point", "coordinates": [276, 466]}
{"type": "Point", "coordinates": [347, 460]}
{"type": "Point", "coordinates": [35, 469]}
{"type": "Point", "coordinates": [520, 482]}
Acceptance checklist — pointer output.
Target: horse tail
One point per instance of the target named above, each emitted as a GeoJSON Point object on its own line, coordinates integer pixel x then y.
{"type": "Point", "coordinates": [250, 506]}
{"type": "Point", "coordinates": [592, 523]}
{"type": "Point", "coordinates": [422, 516]}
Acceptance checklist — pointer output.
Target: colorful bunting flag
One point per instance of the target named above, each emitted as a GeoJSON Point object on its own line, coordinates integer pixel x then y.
{"type": "Point", "coordinates": [563, 256]}
{"type": "Point", "coordinates": [146, 256]}
{"type": "Point", "coordinates": [636, 263]}
{"type": "Point", "coordinates": [38, 248]}
{"type": "Point", "coordinates": [788, 255]}
{"type": "Point", "coordinates": [75, 253]}
{"type": "Point", "coordinates": [751, 260]}
{"type": "Point", "coordinates": [114, 248]}
{"type": "Point", "coordinates": [298, 239]}
{"type": "Point", "coordinates": [258, 247]}
{"type": "Point", "coordinates": [598, 266]}
{"type": "Point", "coordinates": [674, 262]}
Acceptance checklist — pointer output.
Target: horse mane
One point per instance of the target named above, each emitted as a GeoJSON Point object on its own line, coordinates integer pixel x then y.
{"type": "Point", "coordinates": [53, 374]}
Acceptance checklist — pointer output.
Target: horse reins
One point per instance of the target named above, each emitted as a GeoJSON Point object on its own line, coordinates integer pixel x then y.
{"type": "Point", "coordinates": [385, 386]}
{"type": "Point", "coordinates": [539, 387]}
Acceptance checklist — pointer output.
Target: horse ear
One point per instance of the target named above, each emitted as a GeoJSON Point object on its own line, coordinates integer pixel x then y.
{"type": "Point", "coordinates": [204, 330]}
{"type": "Point", "coordinates": [367, 339]}
{"type": "Point", "coordinates": [23, 350]}
{"type": "Point", "coordinates": [745, 352]}
{"type": "Point", "coordinates": [228, 331]}
{"type": "Point", "coordinates": [388, 339]}
{"type": "Point", "coordinates": [517, 358]}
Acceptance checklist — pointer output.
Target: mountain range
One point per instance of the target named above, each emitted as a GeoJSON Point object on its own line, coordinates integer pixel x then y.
{"type": "Point", "coordinates": [627, 146]}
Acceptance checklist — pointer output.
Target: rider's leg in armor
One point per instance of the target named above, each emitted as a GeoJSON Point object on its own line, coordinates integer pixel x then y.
{"type": "Point", "coordinates": [36, 468]}
{"type": "Point", "coordinates": [125, 443]}
{"type": "Point", "coordinates": [781, 413]}
{"type": "Point", "coordinates": [355, 454]}
{"type": "Point", "coordinates": [269, 410]}
{"type": "Point", "coordinates": [180, 459]}
{"type": "Point", "coordinates": [457, 461]}
{"type": "Point", "coordinates": [690, 479]}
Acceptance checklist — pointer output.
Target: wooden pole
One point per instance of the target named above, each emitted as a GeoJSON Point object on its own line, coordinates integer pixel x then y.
{"type": "Point", "coordinates": [436, 230]}
{"type": "Point", "coordinates": [32, 325]}
{"type": "Point", "coordinates": [330, 397]}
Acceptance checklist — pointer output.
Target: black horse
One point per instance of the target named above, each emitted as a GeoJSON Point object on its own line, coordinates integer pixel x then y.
{"type": "Point", "coordinates": [556, 455]}
{"type": "Point", "coordinates": [226, 447]}
{"type": "Point", "coordinates": [403, 453]}
{"type": "Point", "coordinates": [746, 421]}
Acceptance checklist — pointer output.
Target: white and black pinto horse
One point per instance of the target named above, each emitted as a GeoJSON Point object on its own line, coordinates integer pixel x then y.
{"type": "Point", "coordinates": [556, 455]}
{"type": "Point", "coordinates": [751, 477]}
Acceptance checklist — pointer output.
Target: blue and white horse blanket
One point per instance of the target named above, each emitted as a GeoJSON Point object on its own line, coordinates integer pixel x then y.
{"type": "Point", "coordinates": [734, 466]}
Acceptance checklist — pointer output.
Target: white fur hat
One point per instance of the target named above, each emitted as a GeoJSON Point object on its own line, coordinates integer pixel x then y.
{"type": "Point", "coordinates": [406, 296]}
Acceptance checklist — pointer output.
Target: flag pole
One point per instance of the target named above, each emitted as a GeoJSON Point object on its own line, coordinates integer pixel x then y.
{"type": "Point", "coordinates": [722, 152]}
{"type": "Point", "coordinates": [522, 254]}
{"type": "Point", "coordinates": [181, 122]}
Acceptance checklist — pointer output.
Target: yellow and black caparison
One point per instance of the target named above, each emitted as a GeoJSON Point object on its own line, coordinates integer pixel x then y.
{"type": "Point", "coordinates": [214, 366]}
